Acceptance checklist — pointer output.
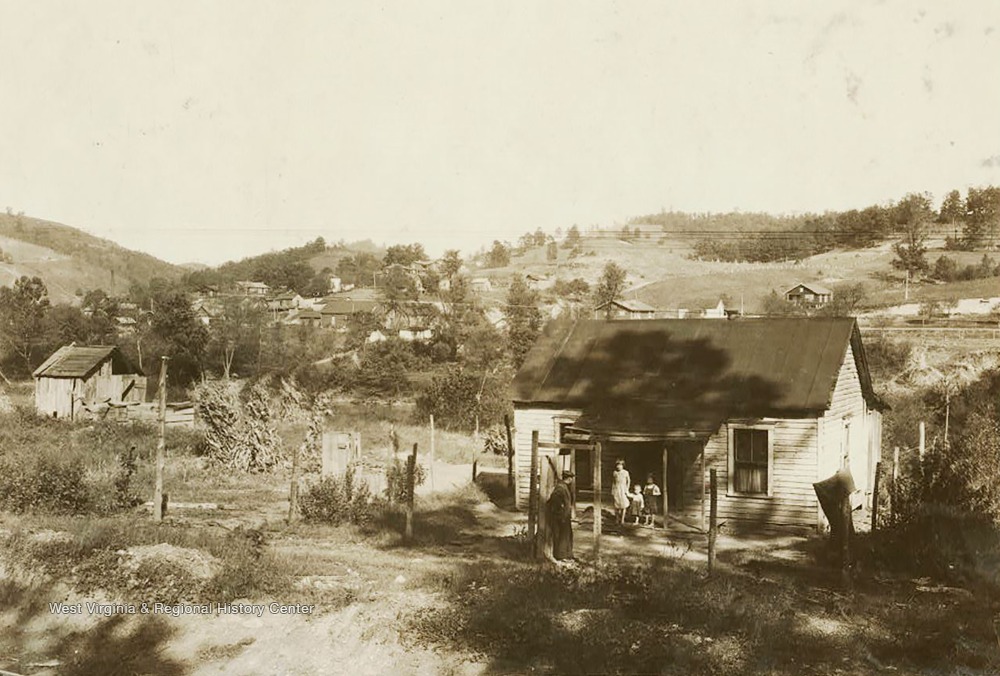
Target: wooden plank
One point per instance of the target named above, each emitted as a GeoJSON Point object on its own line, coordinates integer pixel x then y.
{"type": "Point", "coordinates": [598, 501]}
{"type": "Point", "coordinates": [554, 445]}
{"type": "Point", "coordinates": [713, 519]}
{"type": "Point", "coordinates": [533, 487]}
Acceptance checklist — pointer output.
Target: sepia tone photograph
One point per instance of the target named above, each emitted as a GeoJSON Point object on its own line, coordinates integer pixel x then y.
{"type": "Point", "coordinates": [474, 338]}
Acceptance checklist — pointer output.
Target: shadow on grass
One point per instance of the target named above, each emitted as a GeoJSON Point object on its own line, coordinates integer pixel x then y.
{"type": "Point", "coordinates": [119, 644]}
{"type": "Point", "coordinates": [663, 617]}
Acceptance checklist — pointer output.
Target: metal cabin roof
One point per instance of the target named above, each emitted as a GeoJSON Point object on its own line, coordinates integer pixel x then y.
{"type": "Point", "coordinates": [79, 361]}
{"type": "Point", "coordinates": [685, 376]}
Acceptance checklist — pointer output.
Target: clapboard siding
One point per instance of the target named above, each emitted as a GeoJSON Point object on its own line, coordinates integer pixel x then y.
{"type": "Point", "coordinates": [546, 421]}
{"type": "Point", "coordinates": [793, 471]}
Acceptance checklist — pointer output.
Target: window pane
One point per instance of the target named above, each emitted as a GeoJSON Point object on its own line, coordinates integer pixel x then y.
{"type": "Point", "coordinates": [742, 442]}
{"type": "Point", "coordinates": [759, 446]}
{"type": "Point", "coordinates": [750, 479]}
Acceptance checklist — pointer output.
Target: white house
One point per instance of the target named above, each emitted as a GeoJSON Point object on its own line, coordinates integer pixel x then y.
{"type": "Point", "coordinates": [773, 405]}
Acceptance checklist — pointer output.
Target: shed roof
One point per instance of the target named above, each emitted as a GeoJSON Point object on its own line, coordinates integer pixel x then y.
{"type": "Point", "coordinates": [79, 361]}
{"type": "Point", "coordinates": [681, 376]}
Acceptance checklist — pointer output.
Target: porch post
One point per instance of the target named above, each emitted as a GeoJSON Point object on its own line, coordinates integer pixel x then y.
{"type": "Point", "coordinates": [664, 497]}
{"type": "Point", "coordinates": [533, 488]}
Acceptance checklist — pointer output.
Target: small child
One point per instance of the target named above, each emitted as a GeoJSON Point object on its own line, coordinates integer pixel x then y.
{"type": "Point", "coordinates": [652, 493]}
{"type": "Point", "coordinates": [635, 507]}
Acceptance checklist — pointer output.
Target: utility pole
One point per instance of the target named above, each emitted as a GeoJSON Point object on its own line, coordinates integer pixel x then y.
{"type": "Point", "coordinates": [161, 443]}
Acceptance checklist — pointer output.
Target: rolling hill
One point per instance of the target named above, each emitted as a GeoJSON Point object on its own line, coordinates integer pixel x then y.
{"type": "Point", "coordinates": [68, 259]}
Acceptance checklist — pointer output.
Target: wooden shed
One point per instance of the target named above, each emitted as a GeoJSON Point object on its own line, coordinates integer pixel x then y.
{"type": "Point", "coordinates": [79, 378]}
{"type": "Point", "coordinates": [773, 405]}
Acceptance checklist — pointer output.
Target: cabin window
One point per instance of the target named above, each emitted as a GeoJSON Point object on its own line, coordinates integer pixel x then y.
{"type": "Point", "coordinates": [751, 461]}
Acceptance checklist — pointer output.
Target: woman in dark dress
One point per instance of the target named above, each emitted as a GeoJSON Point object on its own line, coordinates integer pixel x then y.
{"type": "Point", "coordinates": [560, 510]}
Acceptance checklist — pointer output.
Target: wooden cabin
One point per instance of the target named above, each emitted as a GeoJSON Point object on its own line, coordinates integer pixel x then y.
{"type": "Point", "coordinates": [809, 294]}
{"type": "Point", "coordinates": [773, 405]}
{"type": "Point", "coordinates": [624, 309]}
{"type": "Point", "coordinates": [79, 378]}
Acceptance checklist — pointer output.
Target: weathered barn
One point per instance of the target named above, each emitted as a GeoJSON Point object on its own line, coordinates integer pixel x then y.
{"type": "Point", "coordinates": [773, 405]}
{"type": "Point", "coordinates": [78, 378]}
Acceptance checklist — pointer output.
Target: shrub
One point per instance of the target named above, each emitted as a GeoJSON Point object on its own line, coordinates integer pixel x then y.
{"type": "Point", "coordinates": [495, 441]}
{"type": "Point", "coordinates": [887, 358]}
{"type": "Point", "coordinates": [42, 483]}
{"type": "Point", "coordinates": [338, 500]}
{"type": "Point", "coordinates": [395, 479]}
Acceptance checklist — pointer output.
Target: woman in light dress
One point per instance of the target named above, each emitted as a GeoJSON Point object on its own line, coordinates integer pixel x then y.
{"type": "Point", "coordinates": [621, 481]}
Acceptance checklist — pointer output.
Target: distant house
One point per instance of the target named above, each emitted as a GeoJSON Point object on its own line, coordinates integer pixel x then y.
{"type": "Point", "coordinates": [717, 312]}
{"type": "Point", "coordinates": [540, 282]}
{"type": "Point", "coordinates": [336, 285]}
{"type": "Point", "coordinates": [78, 378]}
{"type": "Point", "coordinates": [284, 302]}
{"type": "Point", "coordinates": [304, 317]}
{"type": "Point", "coordinates": [809, 294]}
{"type": "Point", "coordinates": [416, 335]}
{"type": "Point", "coordinates": [253, 288]}
{"type": "Point", "coordinates": [481, 284]}
{"type": "Point", "coordinates": [769, 405]}
{"type": "Point", "coordinates": [624, 309]}
{"type": "Point", "coordinates": [337, 313]}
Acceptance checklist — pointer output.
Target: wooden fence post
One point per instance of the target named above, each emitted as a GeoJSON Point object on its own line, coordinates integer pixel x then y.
{"type": "Point", "coordinates": [431, 461]}
{"type": "Point", "coordinates": [894, 495]}
{"type": "Point", "coordinates": [875, 490]}
{"type": "Point", "coordinates": [533, 488]}
{"type": "Point", "coordinates": [411, 470]}
{"type": "Point", "coordinates": [161, 444]}
{"type": "Point", "coordinates": [713, 514]}
{"type": "Point", "coordinates": [510, 452]}
{"type": "Point", "coordinates": [598, 500]}
{"type": "Point", "coordinates": [846, 528]}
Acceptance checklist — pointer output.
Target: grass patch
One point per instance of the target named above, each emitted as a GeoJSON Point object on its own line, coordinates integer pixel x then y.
{"type": "Point", "coordinates": [142, 561]}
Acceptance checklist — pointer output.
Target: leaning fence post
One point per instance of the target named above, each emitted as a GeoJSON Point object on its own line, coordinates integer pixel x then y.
{"type": "Point", "coordinates": [713, 515]}
{"type": "Point", "coordinates": [411, 470]}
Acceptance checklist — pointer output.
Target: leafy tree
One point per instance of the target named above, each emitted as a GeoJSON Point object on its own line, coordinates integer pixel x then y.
{"type": "Point", "coordinates": [952, 209]}
{"type": "Point", "coordinates": [236, 334]}
{"type": "Point", "coordinates": [22, 311]}
{"type": "Point", "coordinates": [403, 254]}
{"type": "Point", "coordinates": [610, 286]}
{"type": "Point", "coordinates": [524, 320]}
{"type": "Point", "coordinates": [359, 269]}
{"type": "Point", "coordinates": [399, 285]}
{"type": "Point", "coordinates": [572, 237]}
{"type": "Point", "coordinates": [177, 333]}
{"type": "Point", "coordinates": [913, 213]}
{"type": "Point", "coordinates": [982, 214]}
{"type": "Point", "coordinates": [847, 300]}
{"type": "Point", "coordinates": [499, 255]}
{"type": "Point", "coordinates": [460, 398]}
{"type": "Point", "coordinates": [451, 263]}
{"type": "Point", "coordinates": [571, 288]}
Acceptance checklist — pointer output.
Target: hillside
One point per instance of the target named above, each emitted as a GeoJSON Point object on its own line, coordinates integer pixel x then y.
{"type": "Point", "coordinates": [68, 259]}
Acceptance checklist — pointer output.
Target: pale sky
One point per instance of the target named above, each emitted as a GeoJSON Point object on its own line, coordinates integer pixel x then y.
{"type": "Point", "coordinates": [205, 131]}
